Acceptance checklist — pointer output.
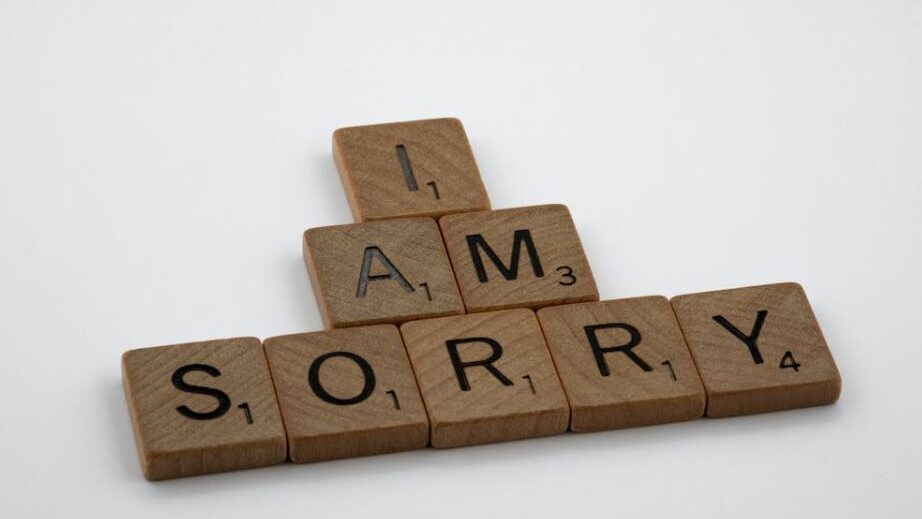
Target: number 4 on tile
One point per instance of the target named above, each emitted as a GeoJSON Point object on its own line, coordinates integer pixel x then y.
{"type": "Point", "coordinates": [788, 362]}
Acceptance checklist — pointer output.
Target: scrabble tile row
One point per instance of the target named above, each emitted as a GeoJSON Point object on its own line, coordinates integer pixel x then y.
{"type": "Point", "coordinates": [393, 271]}
{"type": "Point", "coordinates": [476, 378]}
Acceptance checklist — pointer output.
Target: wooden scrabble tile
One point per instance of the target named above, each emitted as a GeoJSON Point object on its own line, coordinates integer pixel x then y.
{"type": "Point", "coordinates": [486, 378]}
{"type": "Point", "coordinates": [758, 349]}
{"type": "Point", "coordinates": [523, 257]}
{"type": "Point", "coordinates": [203, 407]}
{"type": "Point", "coordinates": [346, 393]}
{"type": "Point", "coordinates": [380, 272]}
{"type": "Point", "coordinates": [416, 168]}
{"type": "Point", "coordinates": [622, 363]}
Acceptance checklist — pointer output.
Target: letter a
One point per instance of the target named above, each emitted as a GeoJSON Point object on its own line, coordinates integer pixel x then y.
{"type": "Point", "coordinates": [371, 253]}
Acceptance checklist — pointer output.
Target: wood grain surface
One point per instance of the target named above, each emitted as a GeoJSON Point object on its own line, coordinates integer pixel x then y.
{"type": "Point", "coordinates": [522, 257]}
{"type": "Point", "coordinates": [380, 272]}
{"type": "Point", "coordinates": [203, 407]}
{"type": "Point", "coordinates": [415, 168]}
{"type": "Point", "coordinates": [622, 363]}
{"type": "Point", "coordinates": [500, 386]}
{"type": "Point", "coordinates": [787, 365]}
{"type": "Point", "coordinates": [346, 393]}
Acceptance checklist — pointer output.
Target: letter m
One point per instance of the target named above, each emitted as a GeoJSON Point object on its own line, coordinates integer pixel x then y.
{"type": "Point", "coordinates": [476, 244]}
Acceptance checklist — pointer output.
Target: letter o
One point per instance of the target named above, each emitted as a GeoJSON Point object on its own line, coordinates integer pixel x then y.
{"type": "Point", "coordinates": [313, 378]}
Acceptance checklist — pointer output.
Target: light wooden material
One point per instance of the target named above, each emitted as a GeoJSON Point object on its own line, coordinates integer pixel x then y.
{"type": "Point", "coordinates": [225, 386]}
{"type": "Point", "coordinates": [513, 392]}
{"type": "Point", "coordinates": [416, 168]}
{"type": "Point", "coordinates": [406, 272]}
{"type": "Point", "coordinates": [346, 393]}
{"type": "Point", "coordinates": [537, 258]}
{"type": "Point", "coordinates": [622, 363]}
{"type": "Point", "coordinates": [790, 365]}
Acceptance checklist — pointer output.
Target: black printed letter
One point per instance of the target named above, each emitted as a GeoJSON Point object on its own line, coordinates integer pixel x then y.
{"type": "Point", "coordinates": [224, 402]}
{"type": "Point", "coordinates": [475, 242]}
{"type": "Point", "coordinates": [600, 352]}
{"type": "Point", "coordinates": [487, 363]}
{"type": "Point", "coordinates": [313, 378]}
{"type": "Point", "coordinates": [392, 273]}
{"type": "Point", "coordinates": [750, 340]}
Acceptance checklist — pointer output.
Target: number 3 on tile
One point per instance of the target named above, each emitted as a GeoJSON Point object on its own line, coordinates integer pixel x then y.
{"type": "Point", "coordinates": [567, 278]}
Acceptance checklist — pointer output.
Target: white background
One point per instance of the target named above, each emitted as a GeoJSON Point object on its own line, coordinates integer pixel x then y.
{"type": "Point", "coordinates": [160, 160]}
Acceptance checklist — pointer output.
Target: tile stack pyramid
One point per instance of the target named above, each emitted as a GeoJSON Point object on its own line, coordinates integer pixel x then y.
{"type": "Point", "coordinates": [501, 334]}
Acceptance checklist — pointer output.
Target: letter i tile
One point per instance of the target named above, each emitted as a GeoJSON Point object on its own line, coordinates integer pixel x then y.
{"type": "Point", "coordinates": [413, 168]}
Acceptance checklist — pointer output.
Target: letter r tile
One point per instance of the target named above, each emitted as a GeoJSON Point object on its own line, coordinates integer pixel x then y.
{"type": "Point", "coordinates": [523, 257]}
{"type": "Point", "coordinates": [388, 271]}
{"type": "Point", "coordinates": [203, 407]}
{"type": "Point", "coordinates": [486, 378]}
{"type": "Point", "coordinates": [758, 349]}
{"type": "Point", "coordinates": [346, 393]}
{"type": "Point", "coordinates": [623, 363]}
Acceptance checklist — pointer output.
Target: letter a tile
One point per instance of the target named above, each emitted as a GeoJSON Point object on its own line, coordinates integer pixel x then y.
{"type": "Point", "coordinates": [346, 393]}
{"type": "Point", "coordinates": [415, 168]}
{"type": "Point", "coordinates": [523, 257]}
{"type": "Point", "coordinates": [203, 407]}
{"type": "Point", "coordinates": [486, 378]}
{"type": "Point", "coordinates": [623, 363]}
{"type": "Point", "coordinates": [758, 349]}
{"type": "Point", "coordinates": [380, 272]}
